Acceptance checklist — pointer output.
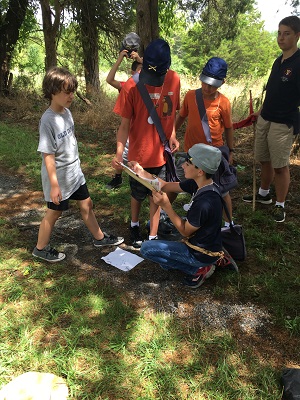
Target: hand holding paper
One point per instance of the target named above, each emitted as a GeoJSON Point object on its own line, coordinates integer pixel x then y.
{"type": "Point", "coordinates": [152, 184]}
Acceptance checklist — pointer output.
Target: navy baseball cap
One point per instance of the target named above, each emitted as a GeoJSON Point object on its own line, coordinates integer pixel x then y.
{"type": "Point", "coordinates": [156, 62]}
{"type": "Point", "coordinates": [214, 72]}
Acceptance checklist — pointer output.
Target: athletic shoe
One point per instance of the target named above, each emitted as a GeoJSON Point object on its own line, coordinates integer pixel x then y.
{"type": "Point", "coordinates": [108, 240]}
{"type": "Point", "coordinates": [227, 262]}
{"type": "Point", "coordinates": [136, 239]}
{"type": "Point", "coordinates": [115, 182]}
{"type": "Point", "coordinates": [278, 214]}
{"type": "Point", "coordinates": [194, 281]}
{"type": "Point", "coordinates": [258, 199]}
{"type": "Point", "coordinates": [48, 254]}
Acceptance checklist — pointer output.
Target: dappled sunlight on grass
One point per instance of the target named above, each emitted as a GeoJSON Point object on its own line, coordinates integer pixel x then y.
{"type": "Point", "coordinates": [81, 331]}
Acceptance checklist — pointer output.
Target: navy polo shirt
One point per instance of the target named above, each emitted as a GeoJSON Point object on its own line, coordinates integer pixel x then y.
{"type": "Point", "coordinates": [283, 91]}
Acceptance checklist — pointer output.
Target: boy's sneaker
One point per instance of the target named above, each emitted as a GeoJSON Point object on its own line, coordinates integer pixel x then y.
{"type": "Point", "coordinates": [258, 198]}
{"type": "Point", "coordinates": [194, 281]}
{"type": "Point", "coordinates": [278, 214]}
{"type": "Point", "coordinates": [108, 240]}
{"type": "Point", "coordinates": [135, 237]}
{"type": "Point", "coordinates": [48, 254]}
{"type": "Point", "coordinates": [227, 262]}
{"type": "Point", "coordinates": [115, 182]}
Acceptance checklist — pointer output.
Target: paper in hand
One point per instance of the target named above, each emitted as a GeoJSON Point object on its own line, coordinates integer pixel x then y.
{"type": "Point", "coordinates": [152, 184]}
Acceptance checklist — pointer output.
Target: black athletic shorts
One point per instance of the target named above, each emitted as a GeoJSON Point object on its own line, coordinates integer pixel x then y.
{"type": "Point", "coordinates": [138, 191]}
{"type": "Point", "coordinates": [81, 193]}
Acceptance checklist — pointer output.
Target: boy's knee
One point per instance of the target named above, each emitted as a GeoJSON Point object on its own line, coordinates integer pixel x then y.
{"type": "Point", "coordinates": [53, 214]}
{"type": "Point", "coordinates": [86, 205]}
{"type": "Point", "coordinates": [150, 247]}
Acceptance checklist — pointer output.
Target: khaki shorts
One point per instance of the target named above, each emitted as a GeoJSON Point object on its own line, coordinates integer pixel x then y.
{"type": "Point", "coordinates": [273, 142]}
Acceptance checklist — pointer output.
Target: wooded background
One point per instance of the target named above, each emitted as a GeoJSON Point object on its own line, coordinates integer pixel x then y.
{"type": "Point", "coordinates": [85, 36]}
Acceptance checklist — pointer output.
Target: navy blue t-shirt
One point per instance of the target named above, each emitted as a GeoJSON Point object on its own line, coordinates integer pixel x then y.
{"type": "Point", "coordinates": [205, 213]}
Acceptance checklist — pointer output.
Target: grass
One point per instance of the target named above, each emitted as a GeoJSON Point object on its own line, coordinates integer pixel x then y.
{"type": "Point", "coordinates": [82, 331]}
{"type": "Point", "coordinates": [77, 326]}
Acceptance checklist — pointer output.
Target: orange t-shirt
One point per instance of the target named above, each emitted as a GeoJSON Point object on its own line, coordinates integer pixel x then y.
{"type": "Point", "coordinates": [122, 95]}
{"type": "Point", "coordinates": [218, 114]}
{"type": "Point", "coordinates": [145, 145]}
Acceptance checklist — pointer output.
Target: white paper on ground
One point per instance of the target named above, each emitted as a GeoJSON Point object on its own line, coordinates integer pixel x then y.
{"type": "Point", "coordinates": [122, 259]}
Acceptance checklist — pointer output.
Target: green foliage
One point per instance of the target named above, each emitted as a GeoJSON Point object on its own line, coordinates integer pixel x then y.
{"type": "Point", "coordinates": [167, 17]}
{"type": "Point", "coordinates": [29, 27]}
{"type": "Point", "coordinates": [69, 51]}
{"type": "Point", "coordinates": [253, 50]}
{"type": "Point", "coordinates": [30, 60]}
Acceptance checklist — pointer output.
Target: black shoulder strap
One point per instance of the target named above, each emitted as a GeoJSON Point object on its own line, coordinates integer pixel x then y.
{"type": "Point", "coordinates": [203, 115]}
{"type": "Point", "coordinates": [214, 188]}
{"type": "Point", "coordinates": [152, 111]}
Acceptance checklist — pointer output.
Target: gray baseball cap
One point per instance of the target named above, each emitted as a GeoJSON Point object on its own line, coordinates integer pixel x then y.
{"type": "Point", "coordinates": [131, 42]}
{"type": "Point", "coordinates": [205, 157]}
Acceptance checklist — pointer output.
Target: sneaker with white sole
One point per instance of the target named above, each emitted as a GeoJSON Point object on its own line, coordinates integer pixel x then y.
{"type": "Point", "coordinates": [108, 240]}
{"type": "Point", "coordinates": [258, 198]}
{"type": "Point", "coordinates": [278, 214]}
{"type": "Point", "coordinates": [135, 237]}
{"type": "Point", "coordinates": [203, 273]}
{"type": "Point", "coordinates": [227, 262]}
{"type": "Point", "coordinates": [49, 254]}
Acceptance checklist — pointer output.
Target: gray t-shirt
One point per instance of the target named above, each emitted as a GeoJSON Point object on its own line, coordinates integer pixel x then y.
{"type": "Point", "coordinates": [57, 136]}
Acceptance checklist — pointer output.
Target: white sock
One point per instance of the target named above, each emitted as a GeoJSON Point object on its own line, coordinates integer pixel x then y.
{"type": "Point", "coordinates": [227, 224]}
{"type": "Point", "coordinates": [278, 203]}
{"type": "Point", "coordinates": [132, 224]}
{"type": "Point", "coordinates": [152, 237]}
{"type": "Point", "coordinates": [263, 192]}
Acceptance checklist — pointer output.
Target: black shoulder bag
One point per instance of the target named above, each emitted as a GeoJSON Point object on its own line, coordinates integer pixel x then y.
{"type": "Point", "coordinates": [232, 237]}
{"type": "Point", "coordinates": [171, 175]}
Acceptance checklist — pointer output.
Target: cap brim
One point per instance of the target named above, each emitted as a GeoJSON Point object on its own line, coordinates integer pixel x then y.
{"type": "Point", "coordinates": [149, 78]}
{"type": "Point", "coordinates": [127, 48]}
{"type": "Point", "coordinates": [211, 81]}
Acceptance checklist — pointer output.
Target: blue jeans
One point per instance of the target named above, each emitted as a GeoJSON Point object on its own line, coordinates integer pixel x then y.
{"type": "Point", "coordinates": [172, 255]}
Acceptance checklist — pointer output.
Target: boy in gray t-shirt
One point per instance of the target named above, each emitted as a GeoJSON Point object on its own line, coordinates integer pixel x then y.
{"type": "Point", "coordinates": [62, 177]}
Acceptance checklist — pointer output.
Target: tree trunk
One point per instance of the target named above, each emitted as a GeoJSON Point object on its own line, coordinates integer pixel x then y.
{"type": "Point", "coordinates": [50, 30]}
{"type": "Point", "coordinates": [9, 35]}
{"type": "Point", "coordinates": [89, 40]}
{"type": "Point", "coordinates": [147, 22]}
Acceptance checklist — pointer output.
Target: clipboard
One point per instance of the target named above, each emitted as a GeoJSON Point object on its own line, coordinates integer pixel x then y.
{"type": "Point", "coordinates": [152, 184]}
